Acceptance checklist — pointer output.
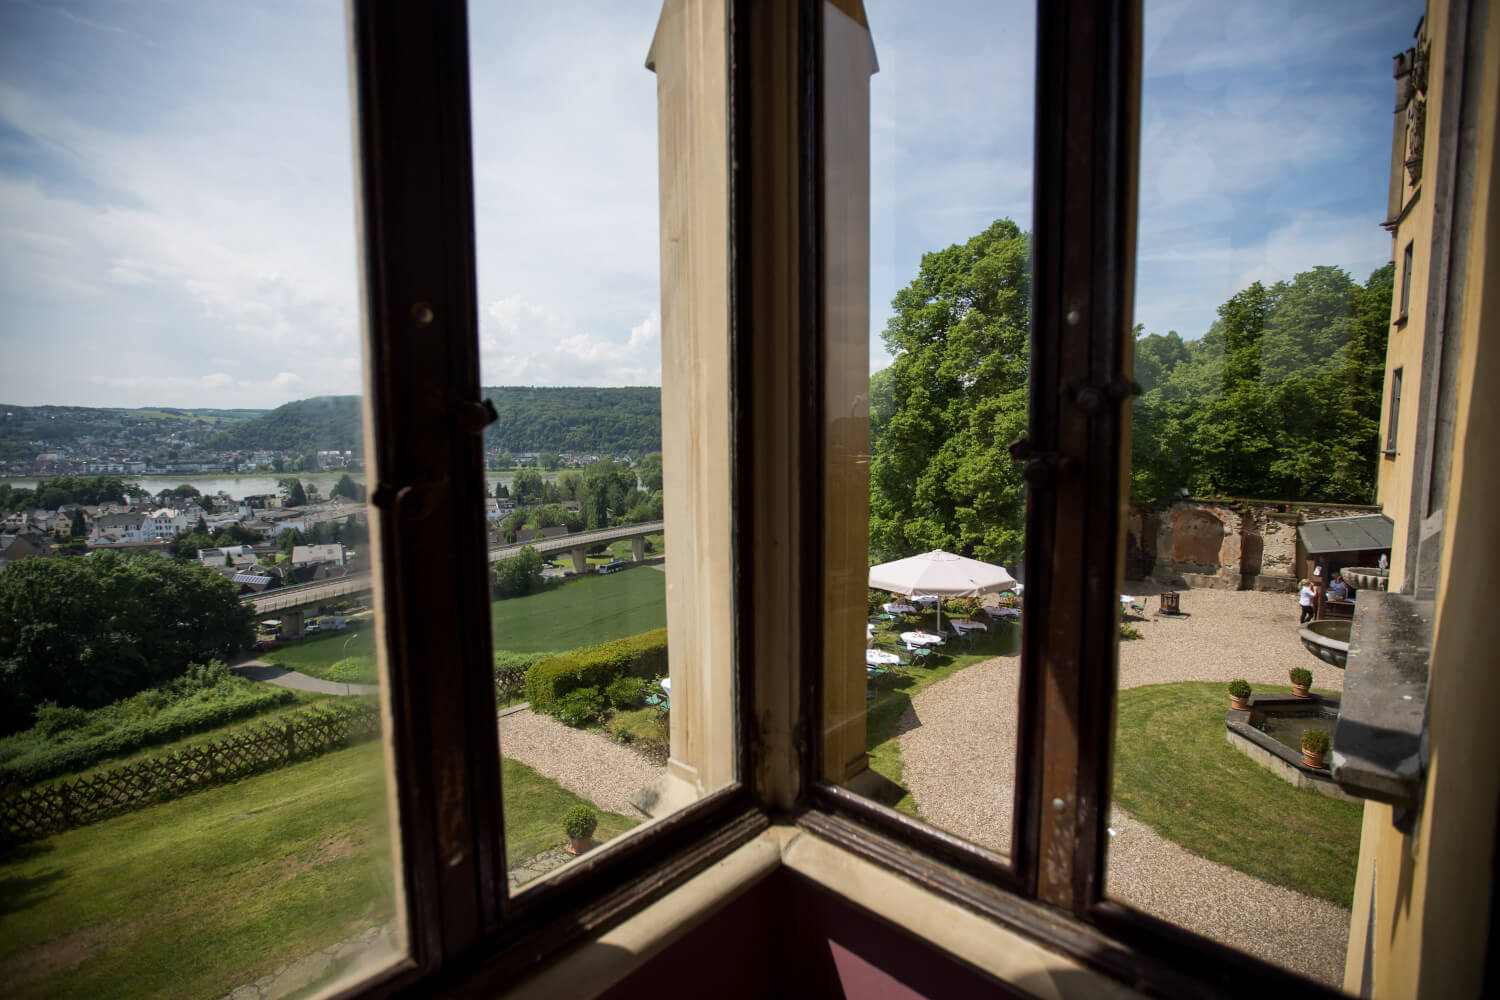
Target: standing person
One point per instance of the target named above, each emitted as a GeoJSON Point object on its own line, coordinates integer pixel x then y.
{"type": "Point", "coordinates": [1308, 598]}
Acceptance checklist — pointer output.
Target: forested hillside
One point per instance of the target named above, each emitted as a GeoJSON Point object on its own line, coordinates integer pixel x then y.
{"type": "Point", "coordinates": [562, 419]}
{"type": "Point", "coordinates": [26, 430]}
{"type": "Point", "coordinates": [1279, 399]}
{"type": "Point", "coordinates": [323, 423]}
{"type": "Point", "coordinates": [576, 419]}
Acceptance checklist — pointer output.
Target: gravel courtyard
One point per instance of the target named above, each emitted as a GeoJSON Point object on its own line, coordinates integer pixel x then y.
{"type": "Point", "coordinates": [958, 747]}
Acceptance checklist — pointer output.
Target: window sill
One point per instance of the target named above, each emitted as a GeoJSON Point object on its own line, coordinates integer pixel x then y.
{"type": "Point", "coordinates": [1377, 745]}
{"type": "Point", "coordinates": [1017, 959]}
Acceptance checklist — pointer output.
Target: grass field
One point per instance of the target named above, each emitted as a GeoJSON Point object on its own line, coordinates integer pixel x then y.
{"type": "Point", "coordinates": [209, 892]}
{"type": "Point", "coordinates": [1174, 771]}
{"type": "Point", "coordinates": [200, 895]}
{"type": "Point", "coordinates": [900, 685]}
{"type": "Point", "coordinates": [581, 612]}
{"type": "Point", "coordinates": [316, 655]}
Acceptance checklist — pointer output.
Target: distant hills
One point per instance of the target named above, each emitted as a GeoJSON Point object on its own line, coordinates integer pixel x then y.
{"type": "Point", "coordinates": [611, 421]}
{"type": "Point", "coordinates": [532, 419]}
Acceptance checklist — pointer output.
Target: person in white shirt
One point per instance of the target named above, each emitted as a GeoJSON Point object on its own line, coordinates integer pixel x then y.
{"type": "Point", "coordinates": [1308, 598]}
{"type": "Point", "coordinates": [1338, 590]}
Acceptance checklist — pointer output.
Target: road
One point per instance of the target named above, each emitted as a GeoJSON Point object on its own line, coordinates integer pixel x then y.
{"type": "Point", "coordinates": [260, 670]}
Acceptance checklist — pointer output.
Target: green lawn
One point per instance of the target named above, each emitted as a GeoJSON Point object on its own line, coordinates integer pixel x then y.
{"type": "Point", "coordinates": [896, 689]}
{"type": "Point", "coordinates": [200, 895]}
{"type": "Point", "coordinates": [1174, 772]}
{"type": "Point", "coordinates": [581, 612]}
{"type": "Point", "coordinates": [317, 655]}
{"type": "Point", "coordinates": [197, 896]}
{"type": "Point", "coordinates": [534, 807]}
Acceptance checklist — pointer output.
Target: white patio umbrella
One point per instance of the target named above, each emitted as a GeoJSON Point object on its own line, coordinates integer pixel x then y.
{"type": "Point", "coordinates": [940, 574]}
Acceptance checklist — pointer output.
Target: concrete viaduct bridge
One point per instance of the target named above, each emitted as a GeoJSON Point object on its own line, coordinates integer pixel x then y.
{"type": "Point", "coordinates": [291, 604]}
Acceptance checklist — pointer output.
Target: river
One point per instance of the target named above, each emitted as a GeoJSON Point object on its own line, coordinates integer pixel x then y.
{"type": "Point", "coordinates": [250, 484]}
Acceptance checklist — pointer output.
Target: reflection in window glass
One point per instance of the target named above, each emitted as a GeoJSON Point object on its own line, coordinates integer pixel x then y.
{"type": "Point", "coordinates": [1264, 304]}
{"type": "Point", "coordinates": [193, 796]}
{"type": "Point", "coordinates": [927, 289]}
{"type": "Point", "coordinates": [607, 363]}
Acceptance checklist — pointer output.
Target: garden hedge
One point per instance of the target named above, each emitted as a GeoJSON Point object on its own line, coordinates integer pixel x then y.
{"type": "Point", "coordinates": [643, 656]}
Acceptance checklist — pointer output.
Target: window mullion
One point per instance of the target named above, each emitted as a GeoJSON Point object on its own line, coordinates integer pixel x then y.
{"type": "Point", "coordinates": [1087, 63]}
{"type": "Point", "coordinates": [410, 65]}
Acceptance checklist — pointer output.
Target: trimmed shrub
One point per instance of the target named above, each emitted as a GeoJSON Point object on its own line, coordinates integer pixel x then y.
{"type": "Point", "coordinates": [643, 656]}
{"type": "Point", "coordinates": [580, 822]}
{"type": "Point", "coordinates": [1315, 741]}
{"type": "Point", "coordinates": [510, 674]}
{"type": "Point", "coordinates": [206, 696]}
{"type": "Point", "coordinates": [626, 693]}
{"type": "Point", "coordinates": [580, 707]}
{"type": "Point", "coordinates": [1300, 675]}
{"type": "Point", "coordinates": [1239, 688]}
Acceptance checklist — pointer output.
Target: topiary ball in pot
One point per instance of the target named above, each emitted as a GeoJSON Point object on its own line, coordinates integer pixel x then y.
{"type": "Point", "coordinates": [1315, 744]}
{"type": "Point", "coordinates": [579, 823]}
{"type": "Point", "coordinates": [1239, 695]}
{"type": "Point", "coordinates": [1301, 681]}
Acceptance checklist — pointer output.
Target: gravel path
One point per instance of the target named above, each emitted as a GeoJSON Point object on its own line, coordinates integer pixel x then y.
{"type": "Point", "coordinates": [586, 764]}
{"type": "Point", "coordinates": [958, 747]}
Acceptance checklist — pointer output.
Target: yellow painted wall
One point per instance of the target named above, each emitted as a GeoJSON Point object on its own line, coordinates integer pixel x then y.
{"type": "Point", "coordinates": [1404, 347]}
{"type": "Point", "coordinates": [1432, 906]}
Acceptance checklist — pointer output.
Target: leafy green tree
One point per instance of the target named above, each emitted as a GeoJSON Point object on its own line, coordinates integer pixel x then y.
{"type": "Point", "coordinates": [518, 574]}
{"type": "Point", "coordinates": [549, 460]}
{"type": "Point", "coordinates": [502, 492]}
{"type": "Point", "coordinates": [648, 469]}
{"type": "Point", "coordinates": [186, 546]}
{"type": "Point", "coordinates": [77, 529]}
{"type": "Point", "coordinates": [606, 485]}
{"type": "Point", "coordinates": [186, 490]}
{"type": "Point", "coordinates": [954, 399]}
{"type": "Point", "coordinates": [347, 487]}
{"type": "Point", "coordinates": [86, 632]}
{"type": "Point", "coordinates": [570, 485]}
{"type": "Point", "coordinates": [292, 493]}
{"type": "Point", "coordinates": [236, 534]}
{"type": "Point", "coordinates": [288, 539]}
{"type": "Point", "coordinates": [527, 486]}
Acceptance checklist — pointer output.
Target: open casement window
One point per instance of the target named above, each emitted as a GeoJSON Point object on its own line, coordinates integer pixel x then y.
{"type": "Point", "coordinates": [773, 83]}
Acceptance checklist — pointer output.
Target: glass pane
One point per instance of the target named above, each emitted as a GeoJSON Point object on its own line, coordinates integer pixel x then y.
{"type": "Point", "coordinates": [1263, 307]}
{"type": "Point", "coordinates": [193, 790]}
{"type": "Point", "coordinates": [588, 336]}
{"type": "Point", "coordinates": [928, 356]}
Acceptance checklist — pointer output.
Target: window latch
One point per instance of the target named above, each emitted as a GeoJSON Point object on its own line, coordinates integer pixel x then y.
{"type": "Point", "coordinates": [475, 415]}
{"type": "Point", "coordinates": [1042, 467]}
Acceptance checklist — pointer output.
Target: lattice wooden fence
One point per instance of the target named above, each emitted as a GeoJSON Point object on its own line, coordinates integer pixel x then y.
{"type": "Point", "coordinates": [26, 814]}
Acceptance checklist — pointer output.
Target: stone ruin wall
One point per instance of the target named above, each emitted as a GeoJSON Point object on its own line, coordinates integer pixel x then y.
{"type": "Point", "coordinates": [1224, 544]}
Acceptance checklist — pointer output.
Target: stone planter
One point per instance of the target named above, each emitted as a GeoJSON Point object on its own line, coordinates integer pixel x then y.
{"type": "Point", "coordinates": [1366, 577]}
{"type": "Point", "coordinates": [1239, 704]}
{"type": "Point", "coordinates": [580, 845]}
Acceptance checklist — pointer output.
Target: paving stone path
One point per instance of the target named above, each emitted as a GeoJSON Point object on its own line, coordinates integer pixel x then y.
{"type": "Point", "coordinates": [374, 947]}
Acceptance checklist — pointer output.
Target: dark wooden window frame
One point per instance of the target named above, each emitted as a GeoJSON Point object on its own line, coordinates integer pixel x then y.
{"type": "Point", "coordinates": [1406, 266]}
{"type": "Point", "coordinates": [424, 418]}
{"type": "Point", "coordinates": [1393, 419]}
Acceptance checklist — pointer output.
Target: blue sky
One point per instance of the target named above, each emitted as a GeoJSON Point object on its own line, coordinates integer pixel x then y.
{"type": "Point", "coordinates": [177, 200]}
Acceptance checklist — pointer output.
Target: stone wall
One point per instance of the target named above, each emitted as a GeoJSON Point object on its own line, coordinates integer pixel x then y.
{"type": "Point", "coordinates": [1225, 544]}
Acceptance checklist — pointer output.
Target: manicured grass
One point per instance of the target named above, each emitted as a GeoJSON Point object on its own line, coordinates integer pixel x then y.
{"type": "Point", "coordinates": [316, 655]}
{"type": "Point", "coordinates": [203, 894]}
{"type": "Point", "coordinates": [1174, 772]}
{"type": "Point", "coordinates": [895, 690]}
{"type": "Point", "coordinates": [534, 808]}
{"type": "Point", "coordinates": [209, 892]}
{"type": "Point", "coordinates": [581, 612]}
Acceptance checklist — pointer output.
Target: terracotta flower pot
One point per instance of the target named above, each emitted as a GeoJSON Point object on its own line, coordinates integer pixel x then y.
{"type": "Point", "coordinates": [1312, 759]}
{"type": "Point", "coordinates": [580, 845]}
{"type": "Point", "coordinates": [1239, 704]}
{"type": "Point", "coordinates": [1301, 690]}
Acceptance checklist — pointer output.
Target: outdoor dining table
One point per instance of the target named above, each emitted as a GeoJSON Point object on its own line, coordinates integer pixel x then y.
{"type": "Point", "coordinates": [880, 658]}
{"type": "Point", "coordinates": [926, 600]}
{"type": "Point", "coordinates": [964, 625]}
{"type": "Point", "coordinates": [899, 609]}
{"type": "Point", "coordinates": [995, 612]}
{"type": "Point", "coordinates": [921, 639]}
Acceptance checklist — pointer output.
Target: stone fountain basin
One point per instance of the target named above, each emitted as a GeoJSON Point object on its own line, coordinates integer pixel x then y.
{"type": "Point", "coordinates": [1365, 577]}
{"type": "Point", "coordinates": [1328, 641]}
